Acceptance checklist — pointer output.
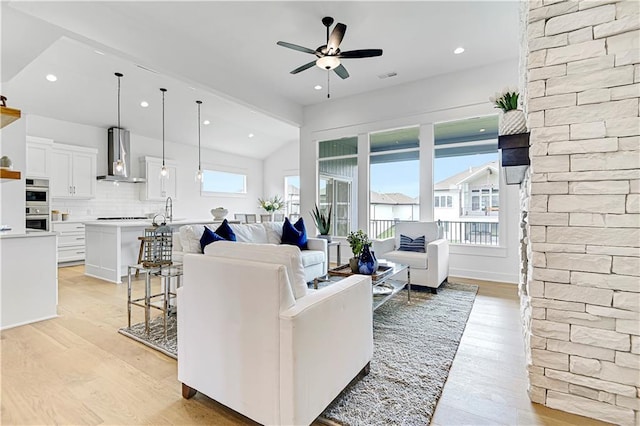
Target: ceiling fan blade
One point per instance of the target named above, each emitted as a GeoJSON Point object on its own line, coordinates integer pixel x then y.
{"type": "Point", "coordinates": [296, 47]}
{"type": "Point", "coordinates": [361, 53]}
{"type": "Point", "coordinates": [336, 38]}
{"type": "Point", "coordinates": [303, 67]}
{"type": "Point", "coordinates": [341, 71]}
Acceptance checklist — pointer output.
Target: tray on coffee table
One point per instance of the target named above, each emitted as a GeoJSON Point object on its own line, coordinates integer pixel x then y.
{"type": "Point", "coordinates": [345, 271]}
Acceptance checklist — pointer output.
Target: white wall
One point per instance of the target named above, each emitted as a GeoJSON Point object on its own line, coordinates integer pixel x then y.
{"type": "Point", "coordinates": [447, 97]}
{"type": "Point", "coordinates": [12, 195]}
{"type": "Point", "coordinates": [123, 200]}
{"type": "Point", "coordinates": [282, 163]}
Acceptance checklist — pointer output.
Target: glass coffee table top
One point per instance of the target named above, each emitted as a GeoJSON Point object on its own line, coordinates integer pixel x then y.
{"type": "Point", "coordinates": [384, 281]}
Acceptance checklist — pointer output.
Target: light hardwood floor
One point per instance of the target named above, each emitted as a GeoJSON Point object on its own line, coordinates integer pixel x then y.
{"type": "Point", "coordinates": [76, 369]}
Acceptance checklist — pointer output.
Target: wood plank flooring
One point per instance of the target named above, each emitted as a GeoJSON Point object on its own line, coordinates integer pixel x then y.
{"type": "Point", "coordinates": [76, 369]}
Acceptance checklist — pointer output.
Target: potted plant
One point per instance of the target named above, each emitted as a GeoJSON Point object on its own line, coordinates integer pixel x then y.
{"type": "Point", "coordinates": [357, 241]}
{"type": "Point", "coordinates": [512, 120]}
{"type": "Point", "coordinates": [271, 205]}
{"type": "Point", "coordinates": [322, 222]}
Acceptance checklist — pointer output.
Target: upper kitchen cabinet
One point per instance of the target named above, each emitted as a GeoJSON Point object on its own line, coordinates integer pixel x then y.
{"type": "Point", "coordinates": [157, 188]}
{"type": "Point", "coordinates": [39, 157]}
{"type": "Point", "coordinates": [73, 172]}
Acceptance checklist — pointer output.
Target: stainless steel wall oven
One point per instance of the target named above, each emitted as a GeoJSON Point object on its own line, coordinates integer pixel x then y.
{"type": "Point", "coordinates": [37, 204]}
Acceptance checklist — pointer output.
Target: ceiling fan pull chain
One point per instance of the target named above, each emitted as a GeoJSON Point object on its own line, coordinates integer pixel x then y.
{"type": "Point", "coordinates": [328, 86]}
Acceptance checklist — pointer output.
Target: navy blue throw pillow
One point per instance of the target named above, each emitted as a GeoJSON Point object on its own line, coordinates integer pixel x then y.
{"type": "Point", "coordinates": [412, 244]}
{"type": "Point", "coordinates": [295, 234]}
{"type": "Point", "coordinates": [208, 237]}
{"type": "Point", "coordinates": [225, 231]}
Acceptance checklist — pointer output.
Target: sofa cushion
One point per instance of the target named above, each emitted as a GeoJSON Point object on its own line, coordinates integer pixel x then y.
{"type": "Point", "coordinates": [311, 257]}
{"type": "Point", "coordinates": [208, 237]}
{"type": "Point", "coordinates": [294, 234]}
{"type": "Point", "coordinates": [286, 255]}
{"type": "Point", "coordinates": [412, 244]}
{"type": "Point", "coordinates": [190, 238]}
{"type": "Point", "coordinates": [225, 231]}
{"type": "Point", "coordinates": [411, 258]}
{"type": "Point", "coordinates": [250, 233]}
{"type": "Point", "coordinates": [274, 232]}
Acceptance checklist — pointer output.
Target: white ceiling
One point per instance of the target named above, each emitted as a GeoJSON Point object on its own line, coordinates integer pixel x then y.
{"type": "Point", "coordinates": [225, 54]}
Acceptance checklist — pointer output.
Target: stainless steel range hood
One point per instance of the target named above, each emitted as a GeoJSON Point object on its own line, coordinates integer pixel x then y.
{"type": "Point", "coordinates": [121, 147]}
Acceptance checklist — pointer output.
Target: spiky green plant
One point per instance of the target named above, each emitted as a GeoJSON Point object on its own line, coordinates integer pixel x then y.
{"type": "Point", "coordinates": [507, 100]}
{"type": "Point", "coordinates": [322, 221]}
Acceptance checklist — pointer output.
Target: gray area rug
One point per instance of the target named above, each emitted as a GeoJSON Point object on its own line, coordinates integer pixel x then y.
{"type": "Point", "coordinates": [156, 339]}
{"type": "Point", "coordinates": [414, 346]}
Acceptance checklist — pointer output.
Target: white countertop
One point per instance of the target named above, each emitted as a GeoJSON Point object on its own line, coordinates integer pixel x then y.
{"type": "Point", "coordinates": [145, 223]}
{"type": "Point", "coordinates": [28, 234]}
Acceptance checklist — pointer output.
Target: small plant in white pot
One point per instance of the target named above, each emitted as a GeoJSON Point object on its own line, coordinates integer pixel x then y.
{"type": "Point", "coordinates": [512, 120]}
{"type": "Point", "coordinates": [322, 222]}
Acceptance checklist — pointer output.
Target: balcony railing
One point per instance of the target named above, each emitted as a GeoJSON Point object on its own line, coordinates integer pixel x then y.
{"type": "Point", "coordinates": [456, 232]}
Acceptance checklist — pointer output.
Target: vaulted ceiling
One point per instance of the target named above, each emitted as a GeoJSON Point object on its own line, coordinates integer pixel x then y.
{"type": "Point", "coordinates": [225, 54]}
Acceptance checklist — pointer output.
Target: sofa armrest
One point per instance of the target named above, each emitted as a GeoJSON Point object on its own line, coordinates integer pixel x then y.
{"type": "Point", "coordinates": [320, 244]}
{"type": "Point", "coordinates": [325, 340]}
{"type": "Point", "coordinates": [380, 247]}
{"type": "Point", "coordinates": [438, 261]}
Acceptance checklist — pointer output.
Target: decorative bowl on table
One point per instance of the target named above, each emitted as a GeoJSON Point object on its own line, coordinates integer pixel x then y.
{"type": "Point", "coordinates": [219, 213]}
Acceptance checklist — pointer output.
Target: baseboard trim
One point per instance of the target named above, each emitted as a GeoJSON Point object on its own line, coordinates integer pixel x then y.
{"type": "Point", "coordinates": [496, 277]}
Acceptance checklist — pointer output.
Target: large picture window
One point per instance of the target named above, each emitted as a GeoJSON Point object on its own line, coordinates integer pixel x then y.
{"type": "Point", "coordinates": [219, 182]}
{"type": "Point", "coordinates": [466, 171]}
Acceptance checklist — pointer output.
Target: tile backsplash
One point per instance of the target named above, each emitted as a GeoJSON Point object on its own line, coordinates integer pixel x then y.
{"type": "Point", "coordinates": [111, 200]}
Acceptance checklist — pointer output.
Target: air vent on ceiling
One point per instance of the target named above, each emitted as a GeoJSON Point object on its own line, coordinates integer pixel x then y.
{"type": "Point", "coordinates": [387, 75]}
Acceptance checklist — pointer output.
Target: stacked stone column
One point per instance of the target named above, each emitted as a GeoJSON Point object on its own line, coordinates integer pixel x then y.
{"type": "Point", "coordinates": [581, 293]}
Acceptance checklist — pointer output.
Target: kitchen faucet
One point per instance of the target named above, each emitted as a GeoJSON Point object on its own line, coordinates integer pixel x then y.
{"type": "Point", "coordinates": [168, 209]}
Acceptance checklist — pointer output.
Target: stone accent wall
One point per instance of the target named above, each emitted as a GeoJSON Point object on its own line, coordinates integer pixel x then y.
{"type": "Point", "coordinates": [581, 297]}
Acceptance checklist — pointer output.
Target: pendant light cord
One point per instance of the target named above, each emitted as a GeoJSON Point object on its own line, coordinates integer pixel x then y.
{"type": "Point", "coordinates": [119, 75]}
{"type": "Point", "coordinates": [199, 160]}
{"type": "Point", "coordinates": [163, 91]}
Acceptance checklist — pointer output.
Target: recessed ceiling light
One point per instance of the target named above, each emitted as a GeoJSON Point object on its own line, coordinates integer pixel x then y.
{"type": "Point", "coordinates": [144, 104]}
{"type": "Point", "coordinates": [51, 77]}
{"type": "Point", "coordinates": [458, 50]}
{"type": "Point", "coordinates": [317, 87]}
{"type": "Point", "coordinates": [99, 52]}
{"type": "Point", "coordinates": [250, 135]}
{"type": "Point", "coordinates": [206, 122]}
{"type": "Point", "coordinates": [482, 130]}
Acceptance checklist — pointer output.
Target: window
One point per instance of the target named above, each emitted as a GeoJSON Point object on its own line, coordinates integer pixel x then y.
{"type": "Point", "coordinates": [337, 165]}
{"type": "Point", "coordinates": [216, 182]}
{"type": "Point", "coordinates": [394, 177]}
{"type": "Point", "coordinates": [466, 168]}
{"type": "Point", "coordinates": [292, 195]}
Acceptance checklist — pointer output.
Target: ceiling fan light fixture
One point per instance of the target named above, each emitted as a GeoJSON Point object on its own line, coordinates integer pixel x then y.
{"type": "Point", "coordinates": [328, 62]}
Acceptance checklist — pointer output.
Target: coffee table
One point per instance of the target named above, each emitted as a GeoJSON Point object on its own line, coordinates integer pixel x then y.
{"type": "Point", "coordinates": [385, 286]}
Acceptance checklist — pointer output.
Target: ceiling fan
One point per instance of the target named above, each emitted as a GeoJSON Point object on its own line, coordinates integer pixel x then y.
{"type": "Point", "coordinates": [329, 55]}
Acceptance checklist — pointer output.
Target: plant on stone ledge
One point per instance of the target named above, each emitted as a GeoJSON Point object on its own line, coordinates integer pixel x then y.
{"type": "Point", "coordinates": [507, 100]}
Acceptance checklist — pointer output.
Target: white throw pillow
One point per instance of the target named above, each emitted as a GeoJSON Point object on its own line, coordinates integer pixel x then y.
{"type": "Point", "coordinates": [286, 255]}
{"type": "Point", "coordinates": [274, 232]}
{"type": "Point", "coordinates": [249, 233]}
{"type": "Point", "coordinates": [190, 238]}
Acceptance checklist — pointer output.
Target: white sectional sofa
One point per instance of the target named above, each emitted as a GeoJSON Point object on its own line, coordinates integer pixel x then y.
{"type": "Point", "coordinates": [314, 260]}
{"type": "Point", "coordinates": [254, 338]}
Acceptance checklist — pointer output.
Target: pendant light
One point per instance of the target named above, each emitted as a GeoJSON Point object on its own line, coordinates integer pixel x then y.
{"type": "Point", "coordinates": [199, 175]}
{"type": "Point", "coordinates": [163, 171]}
{"type": "Point", "coordinates": [118, 165]}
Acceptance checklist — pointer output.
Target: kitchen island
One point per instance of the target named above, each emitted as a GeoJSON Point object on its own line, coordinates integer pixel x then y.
{"type": "Point", "coordinates": [28, 277]}
{"type": "Point", "coordinates": [113, 245]}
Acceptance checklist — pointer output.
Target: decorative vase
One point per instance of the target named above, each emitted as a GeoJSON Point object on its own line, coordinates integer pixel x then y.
{"type": "Point", "coordinates": [367, 264]}
{"type": "Point", "coordinates": [353, 262]}
{"type": "Point", "coordinates": [512, 122]}
{"type": "Point", "coordinates": [219, 213]}
{"type": "Point", "coordinates": [326, 237]}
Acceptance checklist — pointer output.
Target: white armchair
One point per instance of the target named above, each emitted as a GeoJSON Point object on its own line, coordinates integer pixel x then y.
{"type": "Point", "coordinates": [245, 341]}
{"type": "Point", "coordinates": [428, 269]}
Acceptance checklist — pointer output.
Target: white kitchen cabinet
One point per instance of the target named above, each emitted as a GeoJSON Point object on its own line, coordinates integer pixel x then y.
{"type": "Point", "coordinates": [73, 172]}
{"type": "Point", "coordinates": [71, 241]}
{"type": "Point", "coordinates": [38, 157]}
{"type": "Point", "coordinates": [157, 188]}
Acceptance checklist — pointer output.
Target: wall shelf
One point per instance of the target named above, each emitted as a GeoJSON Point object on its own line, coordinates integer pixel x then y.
{"type": "Point", "coordinates": [9, 174]}
{"type": "Point", "coordinates": [8, 115]}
